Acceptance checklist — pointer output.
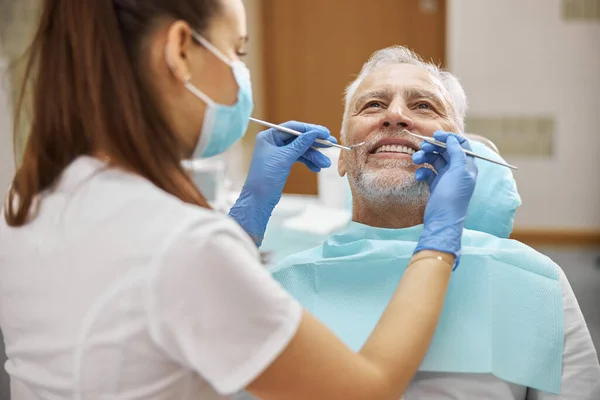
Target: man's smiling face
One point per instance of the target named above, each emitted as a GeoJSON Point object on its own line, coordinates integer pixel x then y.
{"type": "Point", "coordinates": [387, 101]}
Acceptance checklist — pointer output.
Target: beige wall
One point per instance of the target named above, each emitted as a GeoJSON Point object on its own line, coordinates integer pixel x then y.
{"type": "Point", "coordinates": [517, 57]}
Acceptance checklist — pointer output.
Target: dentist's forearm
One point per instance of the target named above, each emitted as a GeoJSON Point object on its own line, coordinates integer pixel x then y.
{"type": "Point", "coordinates": [400, 340]}
{"type": "Point", "coordinates": [317, 365]}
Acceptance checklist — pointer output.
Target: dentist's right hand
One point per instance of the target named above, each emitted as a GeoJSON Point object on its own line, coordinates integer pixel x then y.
{"type": "Point", "coordinates": [450, 188]}
{"type": "Point", "coordinates": [274, 155]}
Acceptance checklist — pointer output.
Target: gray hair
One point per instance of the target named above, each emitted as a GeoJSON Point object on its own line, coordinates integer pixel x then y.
{"type": "Point", "coordinates": [402, 55]}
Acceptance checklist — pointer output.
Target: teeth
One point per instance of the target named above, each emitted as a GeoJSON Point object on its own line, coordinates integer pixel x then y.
{"type": "Point", "coordinates": [392, 148]}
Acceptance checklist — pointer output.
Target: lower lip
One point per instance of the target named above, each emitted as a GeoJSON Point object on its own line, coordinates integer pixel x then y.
{"type": "Point", "coordinates": [398, 156]}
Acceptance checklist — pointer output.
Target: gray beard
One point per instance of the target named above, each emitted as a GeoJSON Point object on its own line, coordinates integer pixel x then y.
{"type": "Point", "coordinates": [377, 188]}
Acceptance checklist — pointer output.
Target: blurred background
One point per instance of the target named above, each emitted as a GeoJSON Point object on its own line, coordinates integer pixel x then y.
{"type": "Point", "coordinates": [530, 68]}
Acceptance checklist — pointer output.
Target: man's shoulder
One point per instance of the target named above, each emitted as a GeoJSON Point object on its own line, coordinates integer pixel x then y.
{"type": "Point", "coordinates": [509, 252]}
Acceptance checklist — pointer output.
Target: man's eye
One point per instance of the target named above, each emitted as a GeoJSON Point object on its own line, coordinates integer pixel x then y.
{"type": "Point", "coordinates": [424, 106]}
{"type": "Point", "coordinates": [372, 104]}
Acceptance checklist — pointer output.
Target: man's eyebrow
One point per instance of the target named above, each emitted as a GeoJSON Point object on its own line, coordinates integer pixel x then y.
{"type": "Point", "coordinates": [416, 92]}
{"type": "Point", "coordinates": [374, 94]}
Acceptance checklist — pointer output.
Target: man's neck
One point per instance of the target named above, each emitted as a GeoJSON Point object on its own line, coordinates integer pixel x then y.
{"type": "Point", "coordinates": [388, 215]}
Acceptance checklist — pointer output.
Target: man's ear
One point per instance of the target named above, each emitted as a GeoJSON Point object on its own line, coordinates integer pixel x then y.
{"type": "Point", "coordinates": [341, 165]}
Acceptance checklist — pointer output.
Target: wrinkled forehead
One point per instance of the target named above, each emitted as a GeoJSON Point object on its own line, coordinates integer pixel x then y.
{"type": "Point", "coordinates": [400, 79]}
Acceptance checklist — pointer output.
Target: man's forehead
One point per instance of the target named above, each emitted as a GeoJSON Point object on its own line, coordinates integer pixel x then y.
{"type": "Point", "coordinates": [397, 77]}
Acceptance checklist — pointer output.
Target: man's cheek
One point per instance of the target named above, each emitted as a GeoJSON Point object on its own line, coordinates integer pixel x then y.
{"type": "Point", "coordinates": [448, 126]}
{"type": "Point", "coordinates": [359, 128]}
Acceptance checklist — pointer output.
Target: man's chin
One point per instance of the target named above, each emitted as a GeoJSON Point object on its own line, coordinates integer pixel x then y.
{"type": "Point", "coordinates": [391, 185]}
{"type": "Point", "coordinates": [389, 180]}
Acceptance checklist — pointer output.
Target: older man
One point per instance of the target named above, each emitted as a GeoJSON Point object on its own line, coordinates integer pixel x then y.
{"type": "Point", "coordinates": [511, 327]}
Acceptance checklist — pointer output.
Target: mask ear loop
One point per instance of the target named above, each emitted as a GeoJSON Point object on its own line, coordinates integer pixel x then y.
{"type": "Point", "coordinates": [196, 92]}
{"type": "Point", "coordinates": [187, 79]}
{"type": "Point", "coordinates": [212, 48]}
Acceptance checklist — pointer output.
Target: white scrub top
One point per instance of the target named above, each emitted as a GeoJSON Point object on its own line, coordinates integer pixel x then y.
{"type": "Point", "coordinates": [119, 290]}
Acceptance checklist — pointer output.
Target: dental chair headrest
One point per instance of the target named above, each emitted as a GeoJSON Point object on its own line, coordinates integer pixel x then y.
{"type": "Point", "coordinates": [495, 199]}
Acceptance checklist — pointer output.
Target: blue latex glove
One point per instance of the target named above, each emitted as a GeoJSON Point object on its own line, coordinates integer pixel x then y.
{"type": "Point", "coordinates": [274, 154]}
{"type": "Point", "coordinates": [450, 192]}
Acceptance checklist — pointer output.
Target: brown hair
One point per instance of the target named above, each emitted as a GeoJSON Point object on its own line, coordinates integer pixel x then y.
{"type": "Point", "coordinates": [90, 92]}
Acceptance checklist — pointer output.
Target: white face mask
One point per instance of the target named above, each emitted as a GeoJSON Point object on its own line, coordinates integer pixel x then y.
{"type": "Point", "coordinates": [223, 125]}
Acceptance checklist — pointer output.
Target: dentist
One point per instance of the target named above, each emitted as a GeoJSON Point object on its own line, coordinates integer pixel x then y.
{"type": "Point", "coordinates": [116, 278]}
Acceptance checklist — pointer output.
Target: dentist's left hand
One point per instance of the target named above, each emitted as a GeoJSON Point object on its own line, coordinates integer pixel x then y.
{"type": "Point", "coordinates": [274, 155]}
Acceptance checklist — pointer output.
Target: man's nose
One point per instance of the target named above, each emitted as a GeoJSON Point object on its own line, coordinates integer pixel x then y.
{"type": "Point", "coordinates": [396, 117]}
